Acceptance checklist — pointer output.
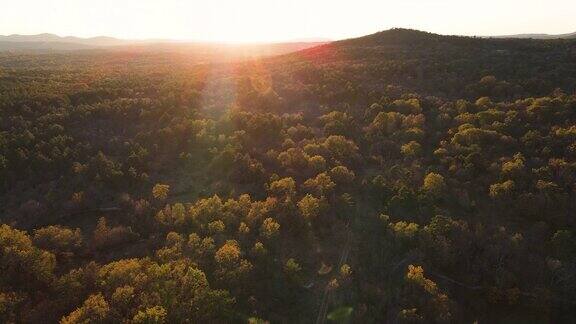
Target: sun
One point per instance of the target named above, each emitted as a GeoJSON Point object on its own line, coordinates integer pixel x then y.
{"type": "Point", "coordinates": [248, 22]}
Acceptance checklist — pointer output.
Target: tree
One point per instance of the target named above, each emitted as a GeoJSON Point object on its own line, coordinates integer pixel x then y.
{"type": "Point", "coordinates": [341, 148]}
{"type": "Point", "coordinates": [22, 265]}
{"type": "Point", "coordinates": [207, 210]}
{"type": "Point", "coordinates": [317, 163]}
{"type": "Point", "coordinates": [243, 229]}
{"type": "Point", "coordinates": [216, 227]}
{"type": "Point", "coordinates": [409, 106]}
{"type": "Point", "coordinates": [270, 228]}
{"type": "Point", "coordinates": [321, 185]}
{"type": "Point", "coordinates": [514, 166]}
{"type": "Point", "coordinates": [411, 149]}
{"type": "Point", "coordinates": [231, 268]}
{"type": "Point", "coordinates": [345, 271]}
{"type": "Point", "coordinates": [177, 286]}
{"type": "Point", "coordinates": [441, 304]}
{"type": "Point", "coordinates": [105, 169]}
{"type": "Point", "coordinates": [502, 190]}
{"type": "Point", "coordinates": [105, 236]}
{"type": "Point", "coordinates": [415, 275]}
{"type": "Point", "coordinates": [337, 123]}
{"type": "Point", "coordinates": [123, 298]}
{"type": "Point", "coordinates": [283, 188]}
{"type": "Point", "coordinates": [9, 303]}
{"type": "Point", "coordinates": [228, 254]}
{"type": "Point", "coordinates": [434, 183]}
{"type": "Point", "coordinates": [151, 315]}
{"type": "Point", "coordinates": [385, 124]}
{"type": "Point", "coordinates": [292, 267]}
{"type": "Point", "coordinates": [160, 191]}
{"type": "Point", "coordinates": [58, 239]}
{"type": "Point", "coordinates": [410, 316]}
{"type": "Point", "coordinates": [94, 310]}
{"type": "Point", "coordinates": [172, 215]}
{"type": "Point", "coordinates": [293, 158]}
{"type": "Point", "coordinates": [404, 229]}
{"type": "Point", "coordinates": [200, 248]}
{"type": "Point", "coordinates": [309, 207]}
{"type": "Point", "coordinates": [259, 249]}
{"type": "Point", "coordinates": [342, 175]}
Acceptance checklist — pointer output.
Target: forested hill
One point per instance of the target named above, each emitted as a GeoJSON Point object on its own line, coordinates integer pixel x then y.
{"type": "Point", "coordinates": [400, 177]}
{"type": "Point", "coordinates": [450, 65]}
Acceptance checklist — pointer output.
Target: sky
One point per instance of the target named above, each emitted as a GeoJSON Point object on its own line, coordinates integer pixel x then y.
{"type": "Point", "coordinates": [281, 20]}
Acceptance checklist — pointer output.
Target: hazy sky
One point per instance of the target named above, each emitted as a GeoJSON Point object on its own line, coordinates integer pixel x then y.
{"type": "Point", "coordinates": [278, 20]}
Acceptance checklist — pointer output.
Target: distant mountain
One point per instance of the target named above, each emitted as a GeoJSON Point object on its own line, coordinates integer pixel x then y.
{"type": "Point", "coordinates": [31, 38]}
{"type": "Point", "coordinates": [100, 41]}
{"type": "Point", "coordinates": [41, 46]}
{"type": "Point", "coordinates": [51, 42]}
{"type": "Point", "coordinates": [538, 36]}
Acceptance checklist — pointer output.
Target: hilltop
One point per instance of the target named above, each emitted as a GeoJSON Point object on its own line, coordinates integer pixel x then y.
{"type": "Point", "coordinates": [447, 65]}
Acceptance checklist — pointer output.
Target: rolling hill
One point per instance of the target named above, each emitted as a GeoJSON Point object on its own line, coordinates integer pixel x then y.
{"type": "Point", "coordinates": [444, 65]}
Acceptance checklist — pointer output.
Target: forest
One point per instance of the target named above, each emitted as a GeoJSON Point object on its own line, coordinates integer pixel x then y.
{"type": "Point", "coordinates": [400, 177]}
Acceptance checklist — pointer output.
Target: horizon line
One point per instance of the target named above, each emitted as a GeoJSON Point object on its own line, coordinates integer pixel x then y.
{"type": "Point", "coordinates": [311, 39]}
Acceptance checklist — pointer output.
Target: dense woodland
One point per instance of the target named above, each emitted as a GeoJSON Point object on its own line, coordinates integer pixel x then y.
{"type": "Point", "coordinates": [401, 177]}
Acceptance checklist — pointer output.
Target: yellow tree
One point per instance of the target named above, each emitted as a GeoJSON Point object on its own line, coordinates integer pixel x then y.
{"type": "Point", "coordinates": [434, 183]}
{"type": "Point", "coordinates": [270, 228]}
{"type": "Point", "coordinates": [309, 207]}
{"type": "Point", "coordinates": [160, 191]}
